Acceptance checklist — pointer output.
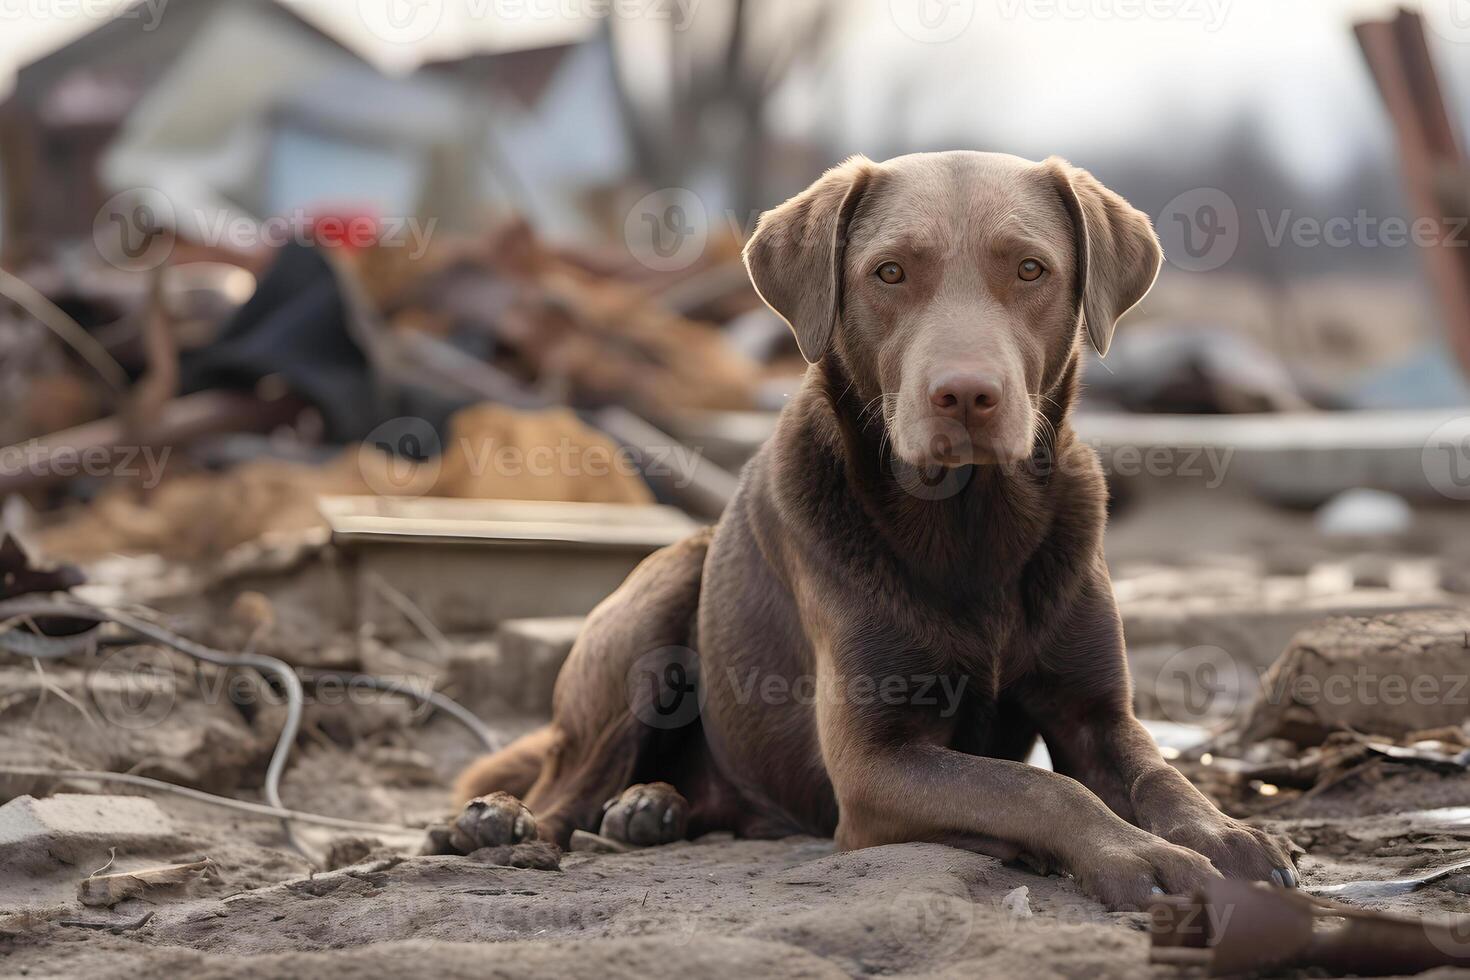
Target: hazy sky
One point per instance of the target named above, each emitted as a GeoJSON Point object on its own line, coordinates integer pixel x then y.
{"type": "Point", "coordinates": [1031, 75]}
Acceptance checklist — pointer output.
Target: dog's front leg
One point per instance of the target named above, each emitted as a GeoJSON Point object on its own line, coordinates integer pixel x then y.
{"type": "Point", "coordinates": [1082, 703]}
{"type": "Point", "coordinates": [894, 787]}
{"type": "Point", "coordinates": [1165, 803]}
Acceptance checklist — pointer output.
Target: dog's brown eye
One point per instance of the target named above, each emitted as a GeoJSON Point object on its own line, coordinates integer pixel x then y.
{"type": "Point", "coordinates": [1030, 270]}
{"type": "Point", "coordinates": [891, 273]}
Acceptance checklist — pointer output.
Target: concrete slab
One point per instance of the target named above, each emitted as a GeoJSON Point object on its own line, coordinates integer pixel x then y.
{"type": "Point", "coordinates": [39, 835]}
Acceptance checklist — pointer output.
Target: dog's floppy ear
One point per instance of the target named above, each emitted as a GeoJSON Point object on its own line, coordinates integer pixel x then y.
{"type": "Point", "coordinates": [795, 256]}
{"type": "Point", "coordinates": [1118, 254]}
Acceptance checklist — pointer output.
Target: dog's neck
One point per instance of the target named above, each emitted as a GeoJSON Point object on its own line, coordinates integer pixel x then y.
{"type": "Point", "coordinates": [949, 528]}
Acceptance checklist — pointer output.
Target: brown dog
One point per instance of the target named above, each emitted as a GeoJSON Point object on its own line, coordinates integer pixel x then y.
{"type": "Point", "coordinates": [909, 586]}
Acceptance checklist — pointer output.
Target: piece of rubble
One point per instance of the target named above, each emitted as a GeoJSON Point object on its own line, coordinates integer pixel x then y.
{"type": "Point", "coordinates": [1385, 675]}
{"type": "Point", "coordinates": [1017, 902]}
{"type": "Point", "coordinates": [540, 647]}
{"type": "Point", "coordinates": [73, 828]}
{"type": "Point", "coordinates": [532, 855]}
{"type": "Point", "coordinates": [347, 851]}
{"type": "Point", "coordinates": [586, 842]}
{"type": "Point", "coordinates": [518, 669]}
{"type": "Point", "coordinates": [1230, 928]}
{"type": "Point", "coordinates": [1364, 513]}
{"type": "Point", "coordinates": [106, 890]}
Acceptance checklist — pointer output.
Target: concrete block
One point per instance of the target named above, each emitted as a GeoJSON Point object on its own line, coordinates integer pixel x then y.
{"type": "Point", "coordinates": [36, 835]}
{"type": "Point", "coordinates": [469, 565]}
{"type": "Point", "coordinates": [517, 670]}
{"type": "Point", "coordinates": [1386, 675]}
{"type": "Point", "coordinates": [538, 648]}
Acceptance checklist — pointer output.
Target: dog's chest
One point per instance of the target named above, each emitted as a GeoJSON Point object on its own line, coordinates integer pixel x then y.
{"type": "Point", "coordinates": [983, 638]}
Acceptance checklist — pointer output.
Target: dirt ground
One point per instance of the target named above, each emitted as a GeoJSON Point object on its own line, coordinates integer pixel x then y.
{"type": "Point", "coordinates": [714, 907]}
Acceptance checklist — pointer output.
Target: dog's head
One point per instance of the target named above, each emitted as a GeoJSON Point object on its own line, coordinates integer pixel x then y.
{"type": "Point", "coordinates": [954, 287]}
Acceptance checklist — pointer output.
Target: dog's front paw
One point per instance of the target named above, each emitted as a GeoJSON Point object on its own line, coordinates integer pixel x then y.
{"type": "Point", "coordinates": [491, 821]}
{"type": "Point", "coordinates": [645, 815]}
{"type": "Point", "coordinates": [1239, 850]}
{"type": "Point", "coordinates": [1126, 873]}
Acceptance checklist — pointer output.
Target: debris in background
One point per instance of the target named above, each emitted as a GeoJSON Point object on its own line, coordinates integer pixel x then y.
{"type": "Point", "coordinates": [587, 338]}
{"type": "Point", "coordinates": [1233, 927]}
{"type": "Point", "coordinates": [545, 558]}
{"type": "Point", "coordinates": [21, 575]}
{"type": "Point", "coordinates": [492, 452]}
{"type": "Point", "coordinates": [76, 829]}
{"type": "Point", "coordinates": [107, 890]}
{"type": "Point", "coordinates": [1365, 513]}
{"type": "Point", "coordinates": [1201, 371]}
{"type": "Point", "coordinates": [1387, 675]}
{"type": "Point", "coordinates": [1372, 890]}
{"type": "Point", "coordinates": [96, 449]}
{"type": "Point", "coordinates": [1017, 901]}
{"type": "Point", "coordinates": [502, 454]}
{"type": "Point", "coordinates": [586, 842]}
{"type": "Point", "coordinates": [1430, 158]}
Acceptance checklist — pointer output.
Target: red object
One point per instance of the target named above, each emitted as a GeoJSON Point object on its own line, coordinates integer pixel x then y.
{"type": "Point", "coordinates": [346, 227]}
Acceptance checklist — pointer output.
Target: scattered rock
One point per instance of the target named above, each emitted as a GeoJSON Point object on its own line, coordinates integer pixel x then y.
{"type": "Point", "coordinates": [1386, 675]}
{"type": "Point", "coordinates": [540, 646]}
{"type": "Point", "coordinates": [1363, 513]}
{"type": "Point", "coordinates": [536, 855]}
{"type": "Point", "coordinates": [344, 852]}
{"type": "Point", "coordinates": [1017, 902]}
{"type": "Point", "coordinates": [518, 669]}
{"type": "Point", "coordinates": [36, 835]}
{"type": "Point", "coordinates": [107, 890]}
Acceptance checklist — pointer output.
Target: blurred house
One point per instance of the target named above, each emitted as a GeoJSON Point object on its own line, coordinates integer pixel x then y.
{"type": "Point", "coordinates": [68, 107]}
{"type": "Point", "coordinates": [240, 108]}
{"type": "Point", "coordinates": [555, 129]}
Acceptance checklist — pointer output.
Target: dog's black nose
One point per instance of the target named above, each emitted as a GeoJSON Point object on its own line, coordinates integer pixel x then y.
{"type": "Point", "coordinates": [966, 396]}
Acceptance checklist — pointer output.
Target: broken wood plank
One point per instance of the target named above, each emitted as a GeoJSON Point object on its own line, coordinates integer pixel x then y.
{"type": "Point", "coordinates": [106, 890]}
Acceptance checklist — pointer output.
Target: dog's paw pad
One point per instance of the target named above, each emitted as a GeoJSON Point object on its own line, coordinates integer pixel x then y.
{"type": "Point", "coordinates": [645, 815]}
{"type": "Point", "coordinates": [491, 821]}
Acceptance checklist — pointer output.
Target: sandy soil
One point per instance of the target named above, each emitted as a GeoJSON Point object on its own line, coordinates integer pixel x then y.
{"type": "Point", "coordinates": [711, 908]}
{"type": "Point", "coordinates": [714, 907]}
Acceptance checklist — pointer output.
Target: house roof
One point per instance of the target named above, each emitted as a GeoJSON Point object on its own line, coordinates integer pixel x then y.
{"type": "Point", "coordinates": [135, 48]}
{"type": "Point", "coordinates": [525, 74]}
